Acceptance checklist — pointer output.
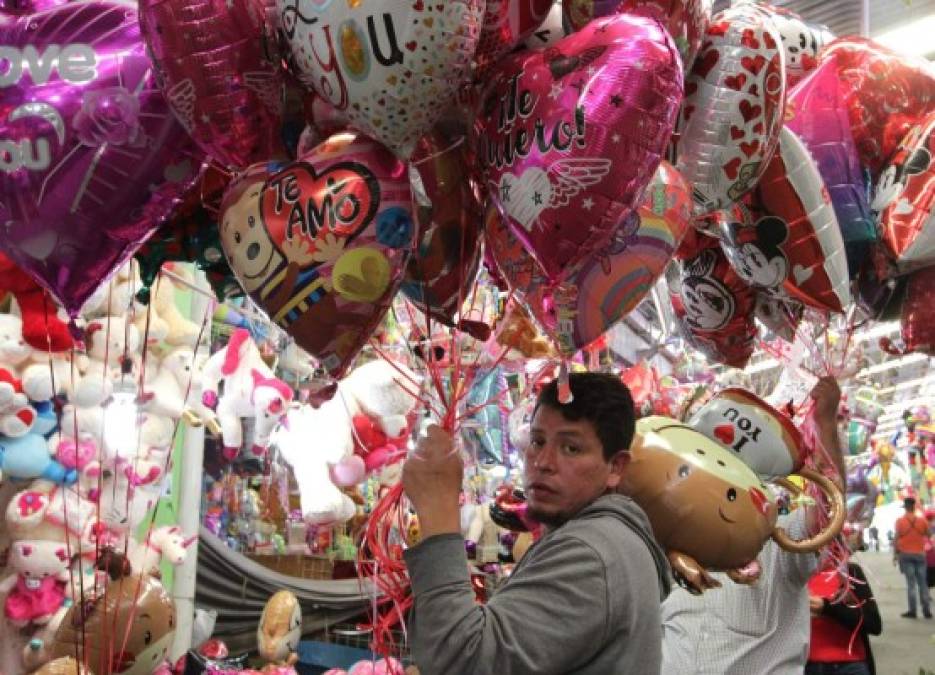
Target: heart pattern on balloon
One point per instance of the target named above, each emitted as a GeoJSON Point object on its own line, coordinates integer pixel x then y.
{"type": "Point", "coordinates": [578, 128]}
{"type": "Point", "coordinates": [93, 158]}
{"type": "Point", "coordinates": [386, 69]}
{"type": "Point", "coordinates": [321, 244]}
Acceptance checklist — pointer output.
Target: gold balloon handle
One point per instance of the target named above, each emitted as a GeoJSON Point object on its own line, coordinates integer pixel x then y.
{"type": "Point", "coordinates": [838, 512]}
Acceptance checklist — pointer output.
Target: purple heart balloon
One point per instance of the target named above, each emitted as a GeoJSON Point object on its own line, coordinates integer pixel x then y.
{"type": "Point", "coordinates": [91, 158]}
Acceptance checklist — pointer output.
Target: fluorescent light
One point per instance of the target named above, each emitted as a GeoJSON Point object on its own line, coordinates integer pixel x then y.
{"type": "Point", "coordinates": [893, 363]}
{"type": "Point", "coordinates": [878, 331]}
{"type": "Point", "coordinates": [762, 366]}
{"type": "Point", "coordinates": [914, 38]}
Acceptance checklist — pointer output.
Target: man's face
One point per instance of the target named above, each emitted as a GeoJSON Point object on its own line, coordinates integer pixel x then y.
{"type": "Point", "coordinates": [565, 469]}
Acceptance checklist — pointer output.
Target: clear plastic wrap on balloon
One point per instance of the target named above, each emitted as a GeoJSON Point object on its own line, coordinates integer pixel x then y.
{"type": "Point", "coordinates": [570, 137]}
{"type": "Point", "coordinates": [93, 158]}
{"type": "Point", "coordinates": [729, 123]}
{"type": "Point", "coordinates": [506, 24]}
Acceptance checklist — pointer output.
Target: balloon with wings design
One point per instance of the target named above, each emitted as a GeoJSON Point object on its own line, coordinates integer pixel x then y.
{"type": "Point", "coordinates": [569, 137]}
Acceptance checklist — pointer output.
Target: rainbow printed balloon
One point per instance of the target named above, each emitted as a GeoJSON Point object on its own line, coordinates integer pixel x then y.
{"type": "Point", "coordinates": [610, 284]}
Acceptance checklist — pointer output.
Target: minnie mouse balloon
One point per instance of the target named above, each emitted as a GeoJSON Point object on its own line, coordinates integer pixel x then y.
{"type": "Point", "coordinates": [570, 137]}
{"type": "Point", "coordinates": [603, 290]}
{"type": "Point", "coordinates": [91, 158]}
{"type": "Point", "coordinates": [796, 248]}
{"type": "Point", "coordinates": [214, 71]}
{"type": "Point", "coordinates": [905, 199]}
{"type": "Point", "coordinates": [817, 113]}
{"type": "Point", "coordinates": [729, 124]}
{"type": "Point", "coordinates": [686, 20]}
{"type": "Point", "coordinates": [712, 304]}
{"type": "Point", "coordinates": [506, 24]}
{"type": "Point", "coordinates": [321, 244]}
{"type": "Point", "coordinates": [385, 65]}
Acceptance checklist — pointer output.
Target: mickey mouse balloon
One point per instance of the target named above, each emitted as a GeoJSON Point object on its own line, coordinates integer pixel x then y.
{"type": "Point", "coordinates": [386, 65]}
{"type": "Point", "coordinates": [570, 137]}
{"type": "Point", "coordinates": [796, 247]}
{"type": "Point", "coordinates": [905, 199]}
{"type": "Point", "coordinates": [321, 244]}
{"type": "Point", "coordinates": [729, 123]}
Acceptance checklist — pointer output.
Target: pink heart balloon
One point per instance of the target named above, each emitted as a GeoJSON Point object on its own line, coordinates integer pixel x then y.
{"type": "Point", "coordinates": [570, 137]}
{"type": "Point", "coordinates": [606, 288]}
{"type": "Point", "coordinates": [214, 70]}
{"type": "Point", "coordinates": [91, 158]}
{"type": "Point", "coordinates": [321, 244]}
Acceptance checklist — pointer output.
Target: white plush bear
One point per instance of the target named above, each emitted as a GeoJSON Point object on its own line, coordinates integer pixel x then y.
{"type": "Point", "coordinates": [40, 380]}
{"type": "Point", "coordinates": [180, 332]}
{"type": "Point", "coordinates": [386, 392]}
{"type": "Point", "coordinates": [113, 357]}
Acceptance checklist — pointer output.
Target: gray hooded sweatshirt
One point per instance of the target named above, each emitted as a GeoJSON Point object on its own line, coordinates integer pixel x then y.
{"type": "Point", "coordinates": [585, 599]}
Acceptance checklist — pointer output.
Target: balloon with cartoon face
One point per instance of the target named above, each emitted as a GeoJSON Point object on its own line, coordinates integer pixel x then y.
{"type": "Point", "coordinates": [905, 199]}
{"type": "Point", "coordinates": [755, 252]}
{"type": "Point", "coordinates": [801, 41]}
{"type": "Point", "coordinates": [712, 304]}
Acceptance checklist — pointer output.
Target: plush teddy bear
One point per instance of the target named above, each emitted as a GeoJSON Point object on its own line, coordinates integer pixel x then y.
{"type": "Point", "coordinates": [181, 332]}
{"type": "Point", "coordinates": [43, 330]}
{"type": "Point", "coordinates": [112, 345]}
{"type": "Point", "coordinates": [81, 455]}
{"type": "Point", "coordinates": [42, 376]}
{"type": "Point", "coordinates": [16, 415]}
{"type": "Point", "coordinates": [28, 457]}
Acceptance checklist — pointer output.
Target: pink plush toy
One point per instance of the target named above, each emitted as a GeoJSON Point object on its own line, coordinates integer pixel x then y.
{"type": "Point", "coordinates": [37, 591]}
{"type": "Point", "coordinates": [382, 667]}
{"type": "Point", "coordinates": [250, 390]}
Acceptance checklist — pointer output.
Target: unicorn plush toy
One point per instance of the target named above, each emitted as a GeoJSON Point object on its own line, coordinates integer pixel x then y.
{"type": "Point", "coordinates": [250, 390]}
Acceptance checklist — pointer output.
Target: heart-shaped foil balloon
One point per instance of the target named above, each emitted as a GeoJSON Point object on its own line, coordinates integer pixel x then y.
{"type": "Point", "coordinates": [606, 288]}
{"type": "Point", "coordinates": [551, 31]}
{"type": "Point", "coordinates": [729, 124]}
{"type": "Point", "coordinates": [506, 24]}
{"type": "Point", "coordinates": [570, 137]}
{"type": "Point", "coordinates": [905, 199]}
{"type": "Point", "coordinates": [796, 247]}
{"type": "Point", "coordinates": [686, 20]}
{"type": "Point", "coordinates": [817, 112]}
{"type": "Point", "coordinates": [321, 244]}
{"type": "Point", "coordinates": [215, 72]}
{"type": "Point", "coordinates": [92, 158]}
{"type": "Point", "coordinates": [387, 66]}
{"type": "Point", "coordinates": [712, 304]}
{"type": "Point", "coordinates": [889, 94]}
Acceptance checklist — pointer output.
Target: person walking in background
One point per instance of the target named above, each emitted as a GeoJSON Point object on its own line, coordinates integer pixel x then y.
{"type": "Point", "coordinates": [834, 648]}
{"type": "Point", "coordinates": [912, 532]}
{"type": "Point", "coordinates": [874, 538]}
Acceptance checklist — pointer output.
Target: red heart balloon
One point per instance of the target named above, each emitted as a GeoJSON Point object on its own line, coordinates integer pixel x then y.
{"type": "Point", "coordinates": [576, 129]}
{"type": "Point", "coordinates": [213, 69]}
{"type": "Point", "coordinates": [321, 244]}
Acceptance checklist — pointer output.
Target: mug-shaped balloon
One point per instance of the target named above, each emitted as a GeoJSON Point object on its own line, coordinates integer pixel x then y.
{"type": "Point", "coordinates": [796, 248]}
{"type": "Point", "coordinates": [604, 289]}
{"type": "Point", "coordinates": [801, 41]}
{"type": "Point", "coordinates": [321, 244]}
{"type": "Point", "coordinates": [506, 24]}
{"type": "Point", "coordinates": [551, 31]}
{"type": "Point", "coordinates": [712, 304]}
{"type": "Point", "coordinates": [817, 112]}
{"type": "Point", "coordinates": [214, 71]}
{"type": "Point", "coordinates": [92, 158]}
{"type": "Point", "coordinates": [707, 508]}
{"type": "Point", "coordinates": [734, 96]}
{"type": "Point", "coordinates": [905, 199]}
{"type": "Point", "coordinates": [386, 67]}
{"type": "Point", "coordinates": [578, 128]}
{"type": "Point", "coordinates": [888, 95]}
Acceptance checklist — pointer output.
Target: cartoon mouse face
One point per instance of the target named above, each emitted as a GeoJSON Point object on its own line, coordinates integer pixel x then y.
{"type": "Point", "coordinates": [894, 180]}
{"type": "Point", "coordinates": [247, 244]}
{"type": "Point", "coordinates": [700, 499]}
{"type": "Point", "coordinates": [709, 305]}
{"type": "Point", "coordinates": [759, 269]}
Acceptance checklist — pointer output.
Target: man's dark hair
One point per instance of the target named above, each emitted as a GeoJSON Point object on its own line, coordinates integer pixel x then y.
{"type": "Point", "coordinates": [909, 503]}
{"type": "Point", "coordinates": [601, 399]}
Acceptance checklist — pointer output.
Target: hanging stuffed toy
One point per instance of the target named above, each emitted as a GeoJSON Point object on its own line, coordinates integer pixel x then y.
{"type": "Point", "coordinates": [250, 390]}
{"type": "Point", "coordinates": [42, 328]}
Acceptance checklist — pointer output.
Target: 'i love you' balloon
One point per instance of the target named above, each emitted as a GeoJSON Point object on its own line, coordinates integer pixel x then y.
{"type": "Point", "coordinates": [569, 137]}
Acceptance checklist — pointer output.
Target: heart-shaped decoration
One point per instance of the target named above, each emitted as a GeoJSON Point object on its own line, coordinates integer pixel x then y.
{"type": "Point", "coordinates": [348, 51]}
{"type": "Point", "coordinates": [724, 433]}
{"type": "Point", "coordinates": [87, 140]}
{"type": "Point", "coordinates": [233, 108]}
{"type": "Point", "coordinates": [741, 84]}
{"type": "Point", "coordinates": [604, 289]}
{"type": "Point", "coordinates": [321, 244]}
{"type": "Point", "coordinates": [801, 274]}
{"type": "Point", "coordinates": [556, 125]}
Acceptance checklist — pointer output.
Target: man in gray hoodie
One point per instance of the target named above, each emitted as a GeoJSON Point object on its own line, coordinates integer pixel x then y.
{"type": "Point", "coordinates": [585, 598]}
